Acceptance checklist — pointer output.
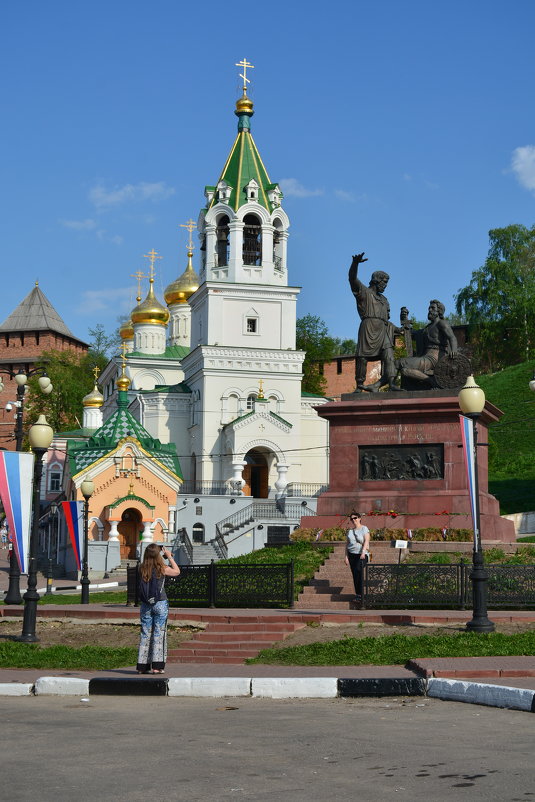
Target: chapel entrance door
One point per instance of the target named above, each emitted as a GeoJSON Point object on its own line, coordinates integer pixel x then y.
{"type": "Point", "coordinates": [129, 529]}
{"type": "Point", "coordinates": [255, 475]}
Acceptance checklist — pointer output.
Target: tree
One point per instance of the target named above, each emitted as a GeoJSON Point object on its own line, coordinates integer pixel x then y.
{"type": "Point", "coordinates": [500, 299]}
{"type": "Point", "coordinates": [344, 347]}
{"type": "Point", "coordinates": [72, 377]}
{"type": "Point", "coordinates": [101, 344]}
{"type": "Point", "coordinates": [313, 338]}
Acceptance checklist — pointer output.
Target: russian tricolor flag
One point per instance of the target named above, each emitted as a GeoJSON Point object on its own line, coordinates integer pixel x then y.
{"type": "Point", "coordinates": [16, 472]}
{"type": "Point", "coordinates": [467, 434]}
{"type": "Point", "coordinates": [74, 516]}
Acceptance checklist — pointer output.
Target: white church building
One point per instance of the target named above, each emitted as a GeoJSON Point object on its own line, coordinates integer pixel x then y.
{"type": "Point", "coordinates": [215, 370]}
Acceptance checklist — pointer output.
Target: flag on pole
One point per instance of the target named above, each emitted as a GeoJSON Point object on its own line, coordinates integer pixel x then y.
{"type": "Point", "coordinates": [16, 472]}
{"type": "Point", "coordinates": [74, 516]}
{"type": "Point", "coordinates": [467, 434]}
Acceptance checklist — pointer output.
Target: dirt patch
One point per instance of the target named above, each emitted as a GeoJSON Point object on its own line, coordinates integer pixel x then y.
{"type": "Point", "coordinates": [72, 632]}
{"type": "Point", "coordinates": [329, 632]}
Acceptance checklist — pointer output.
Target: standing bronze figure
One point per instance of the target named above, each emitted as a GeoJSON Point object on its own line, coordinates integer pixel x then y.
{"type": "Point", "coordinates": [376, 331]}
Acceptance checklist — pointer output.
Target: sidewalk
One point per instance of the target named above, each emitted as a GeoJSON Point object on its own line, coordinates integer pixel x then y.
{"type": "Point", "coordinates": [498, 681]}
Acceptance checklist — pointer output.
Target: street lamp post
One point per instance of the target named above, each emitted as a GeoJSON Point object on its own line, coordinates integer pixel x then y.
{"type": "Point", "coordinates": [472, 403]}
{"type": "Point", "coordinates": [51, 528]}
{"type": "Point", "coordinates": [87, 487]}
{"type": "Point", "coordinates": [45, 385]}
{"type": "Point", "coordinates": [40, 436]}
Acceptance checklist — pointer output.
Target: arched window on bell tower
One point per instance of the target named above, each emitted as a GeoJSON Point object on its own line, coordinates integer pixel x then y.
{"type": "Point", "coordinates": [222, 241]}
{"type": "Point", "coordinates": [252, 240]}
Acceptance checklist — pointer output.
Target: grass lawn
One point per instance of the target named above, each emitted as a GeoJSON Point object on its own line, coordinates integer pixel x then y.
{"type": "Point", "coordinates": [398, 649]}
{"type": "Point", "coordinates": [307, 559]}
{"type": "Point", "coordinates": [88, 658]}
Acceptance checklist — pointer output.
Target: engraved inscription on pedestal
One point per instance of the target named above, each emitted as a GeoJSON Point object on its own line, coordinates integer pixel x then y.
{"type": "Point", "coordinates": [391, 463]}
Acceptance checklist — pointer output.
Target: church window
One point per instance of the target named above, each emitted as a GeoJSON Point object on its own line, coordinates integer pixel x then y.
{"type": "Point", "coordinates": [222, 241]}
{"type": "Point", "coordinates": [252, 324]}
{"type": "Point", "coordinates": [251, 401]}
{"type": "Point", "coordinates": [252, 240]}
{"type": "Point", "coordinates": [277, 245]}
{"type": "Point", "coordinates": [54, 478]}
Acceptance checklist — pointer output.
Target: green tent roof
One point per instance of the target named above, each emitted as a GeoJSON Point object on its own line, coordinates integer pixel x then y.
{"type": "Point", "coordinates": [120, 425]}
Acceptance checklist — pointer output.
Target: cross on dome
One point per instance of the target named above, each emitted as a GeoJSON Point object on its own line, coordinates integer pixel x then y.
{"type": "Point", "coordinates": [152, 256]}
{"type": "Point", "coordinates": [191, 226]}
{"type": "Point", "coordinates": [246, 66]}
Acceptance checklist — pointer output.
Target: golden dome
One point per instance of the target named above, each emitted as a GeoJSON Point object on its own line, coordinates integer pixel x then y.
{"type": "Point", "coordinates": [150, 310]}
{"type": "Point", "coordinates": [127, 330]}
{"type": "Point", "coordinates": [244, 105]}
{"type": "Point", "coordinates": [185, 285]}
{"type": "Point", "coordinates": [123, 382]}
{"type": "Point", "coordinates": [94, 399]}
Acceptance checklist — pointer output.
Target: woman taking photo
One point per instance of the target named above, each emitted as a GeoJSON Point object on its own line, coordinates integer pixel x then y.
{"type": "Point", "coordinates": [154, 608]}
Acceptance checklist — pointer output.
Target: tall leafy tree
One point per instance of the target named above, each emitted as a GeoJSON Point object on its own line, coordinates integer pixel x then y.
{"type": "Point", "coordinates": [72, 377]}
{"type": "Point", "coordinates": [313, 338]}
{"type": "Point", "coordinates": [500, 299]}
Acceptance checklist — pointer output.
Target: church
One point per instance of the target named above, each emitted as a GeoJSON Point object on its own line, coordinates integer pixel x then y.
{"type": "Point", "coordinates": [212, 372]}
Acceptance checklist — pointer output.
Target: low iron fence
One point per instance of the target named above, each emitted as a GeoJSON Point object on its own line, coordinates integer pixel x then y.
{"type": "Point", "coordinates": [229, 585]}
{"type": "Point", "coordinates": [426, 586]}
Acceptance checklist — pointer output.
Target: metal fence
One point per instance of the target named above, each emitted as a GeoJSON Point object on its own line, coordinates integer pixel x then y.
{"type": "Point", "coordinates": [229, 585]}
{"type": "Point", "coordinates": [428, 586]}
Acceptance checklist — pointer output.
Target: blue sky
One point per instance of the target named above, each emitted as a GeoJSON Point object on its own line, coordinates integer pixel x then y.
{"type": "Point", "coordinates": [403, 129]}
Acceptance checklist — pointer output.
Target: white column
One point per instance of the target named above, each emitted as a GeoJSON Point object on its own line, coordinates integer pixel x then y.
{"type": "Point", "coordinates": [267, 248]}
{"type": "Point", "coordinates": [235, 260]}
{"type": "Point", "coordinates": [114, 532]}
{"type": "Point", "coordinates": [147, 534]}
{"type": "Point", "coordinates": [282, 479]}
{"type": "Point", "coordinates": [237, 479]}
{"type": "Point", "coordinates": [172, 520]}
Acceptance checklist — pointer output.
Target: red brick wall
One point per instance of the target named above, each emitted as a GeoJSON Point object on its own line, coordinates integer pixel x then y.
{"type": "Point", "coordinates": [340, 375]}
{"type": "Point", "coordinates": [22, 349]}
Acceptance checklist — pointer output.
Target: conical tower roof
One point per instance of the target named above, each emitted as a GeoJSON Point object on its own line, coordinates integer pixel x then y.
{"type": "Point", "coordinates": [244, 163]}
{"type": "Point", "coordinates": [36, 313]}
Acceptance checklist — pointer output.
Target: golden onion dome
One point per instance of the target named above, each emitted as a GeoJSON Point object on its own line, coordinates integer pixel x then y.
{"type": "Point", "coordinates": [94, 399]}
{"type": "Point", "coordinates": [244, 105]}
{"type": "Point", "coordinates": [150, 310]}
{"type": "Point", "coordinates": [185, 285]}
{"type": "Point", "coordinates": [123, 382]}
{"type": "Point", "coordinates": [127, 330]}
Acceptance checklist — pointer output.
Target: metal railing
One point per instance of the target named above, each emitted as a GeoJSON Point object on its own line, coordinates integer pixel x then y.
{"type": "Point", "coordinates": [205, 488]}
{"type": "Point", "coordinates": [428, 585]}
{"type": "Point", "coordinates": [311, 489]}
{"type": "Point", "coordinates": [262, 510]}
{"type": "Point", "coordinates": [217, 585]}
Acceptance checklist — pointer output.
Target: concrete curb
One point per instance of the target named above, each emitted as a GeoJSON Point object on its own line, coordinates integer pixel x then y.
{"type": "Point", "coordinates": [61, 686]}
{"type": "Point", "coordinates": [481, 694]}
{"type": "Point", "coordinates": [279, 688]}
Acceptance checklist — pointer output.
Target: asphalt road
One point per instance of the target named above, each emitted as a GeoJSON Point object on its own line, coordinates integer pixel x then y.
{"type": "Point", "coordinates": [156, 750]}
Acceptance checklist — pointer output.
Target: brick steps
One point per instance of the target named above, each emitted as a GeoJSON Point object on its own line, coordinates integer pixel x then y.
{"type": "Point", "coordinates": [232, 641]}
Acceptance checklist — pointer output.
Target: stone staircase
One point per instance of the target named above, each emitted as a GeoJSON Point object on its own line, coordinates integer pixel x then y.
{"type": "Point", "coordinates": [332, 586]}
{"type": "Point", "coordinates": [203, 553]}
{"type": "Point", "coordinates": [234, 640]}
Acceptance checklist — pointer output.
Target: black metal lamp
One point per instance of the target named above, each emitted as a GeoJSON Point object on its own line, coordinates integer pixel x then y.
{"type": "Point", "coordinates": [87, 487]}
{"type": "Point", "coordinates": [40, 436]}
{"type": "Point", "coordinates": [472, 403]}
{"type": "Point", "coordinates": [51, 527]}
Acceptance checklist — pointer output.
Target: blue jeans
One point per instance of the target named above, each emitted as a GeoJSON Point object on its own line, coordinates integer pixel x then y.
{"type": "Point", "coordinates": [153, 639]}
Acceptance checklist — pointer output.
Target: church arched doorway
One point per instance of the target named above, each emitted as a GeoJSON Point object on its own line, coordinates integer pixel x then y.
{"type": "Point", "coordinates": [129, 530]}
{"type": "Point", "coordinates": [255, 475]}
